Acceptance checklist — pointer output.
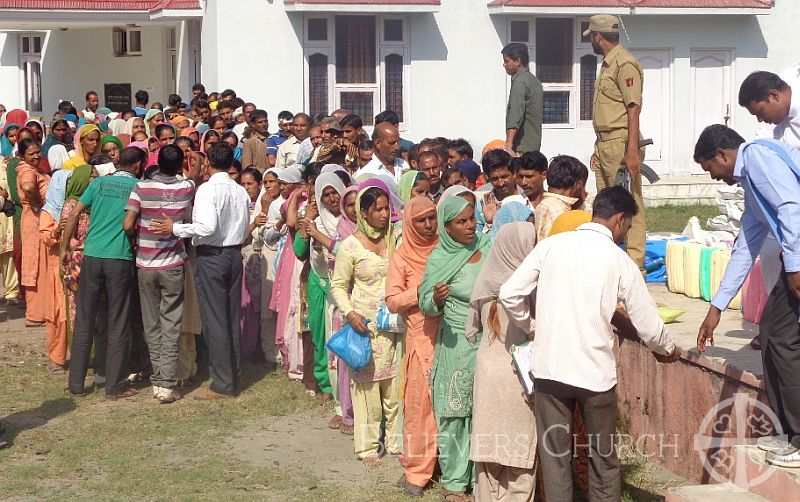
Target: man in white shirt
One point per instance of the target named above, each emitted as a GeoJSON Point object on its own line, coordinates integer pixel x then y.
{"type": "Point", "coordinates": [287, 152]}
{"type": "Point", "coordinates": [385, 159]}
{"type": "Point", "coordinates": [220, 224]}
{"type": "Point", "coordinates": [579, 277]}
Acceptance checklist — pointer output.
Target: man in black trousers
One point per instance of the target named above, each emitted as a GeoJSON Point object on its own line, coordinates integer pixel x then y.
{"type": "Point", "coordinates": [219, 226]}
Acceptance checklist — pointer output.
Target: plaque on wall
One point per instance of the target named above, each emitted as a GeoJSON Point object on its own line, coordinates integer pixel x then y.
{"type": "Point", "coordinates": [118, 97]}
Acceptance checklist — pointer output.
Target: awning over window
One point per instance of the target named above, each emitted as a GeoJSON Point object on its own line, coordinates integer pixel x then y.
{"type": "Point", "coordinates": [353, 6]}
{"type": "Point", "coordinates": [688, 7]}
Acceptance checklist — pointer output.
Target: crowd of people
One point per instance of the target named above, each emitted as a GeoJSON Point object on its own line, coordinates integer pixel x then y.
{"type": "Point", "coordinates": [149, 246]}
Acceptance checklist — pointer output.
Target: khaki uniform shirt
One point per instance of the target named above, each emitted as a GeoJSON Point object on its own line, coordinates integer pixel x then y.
{"type": "Point", "coordinates": [618, 86]}
{"type": "Point", "coordinates": [525, 110]}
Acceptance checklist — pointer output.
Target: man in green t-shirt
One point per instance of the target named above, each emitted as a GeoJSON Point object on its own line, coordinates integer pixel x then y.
{"type": "Point", "coordinates": [107, 267]}
{"type": "Point", "coordinates": [524, 112]}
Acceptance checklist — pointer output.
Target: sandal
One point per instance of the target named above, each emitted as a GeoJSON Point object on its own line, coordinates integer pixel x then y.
{"type": "Point", "coordinates": [346, 429]}
{"type": "Point", "coordinates": [335, 422]}
{"type": "Point", "coordinates": [129, 392]}
{"type": "Point", "coordinates": [449, 496]}
{"type": "Point", "coordinates": [56, 369]}
{"type": "Point", "coordinates": [756, 343]}
{"type": "Point", "coordinates": [371, 461]}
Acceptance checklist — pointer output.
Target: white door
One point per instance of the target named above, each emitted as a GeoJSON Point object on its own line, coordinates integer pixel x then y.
{"type": "Point", "coordinates": [711, 91]}
{"type": "Point", "coordinates": [656, 106]}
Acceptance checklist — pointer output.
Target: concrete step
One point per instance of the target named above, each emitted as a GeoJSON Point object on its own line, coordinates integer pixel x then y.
{"type": "Point", "coordinates": [712, 493]}
{"type": "Point", "coordinates": [779, 484]}
{"type": "Point", "coordinates": [681, 190]}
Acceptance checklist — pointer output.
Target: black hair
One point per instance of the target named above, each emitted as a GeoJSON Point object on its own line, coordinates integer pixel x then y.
{"type": "Point", "coordinates": [201, 103]}
{"type": "Point", "coordinates": [346, 179]}
{"type": "Point", "coordinates": [352, 120]}
{"type": "Point", "coordinates": [303, 116]}
{"type": "Point", "coordinates": [150, 172]}
{"type": "Point", "coordinates": [208, 134]}
{"type": "Point", "coordinates": [312, 170]}
{"type": "Point", "coordinates": [157, 106]}
{"type": "Point", "coordinates": [64, 107]}
{"type": "Point", "coordinates": [413, 153]}
{"type": "Point", "coordinates": [449, 172]}
{"type": "Point", "coordinates": [57, 122]}
{"type": "Point", "coordinates": [184, 140]}
{"type": "Point", "coordinates": [23, 145]}
{"type": "Point", "coordinates": [318, 118]}
{"type": "Point", "coordinates": [565, 171]}
{"type": "Point", "coordinates": [366, 145]}
{"type": "Point", "coordinates": [91, 93]}
{"type": "Point", "coordinates": [214, 118]}
{"type": "Point", "coordinates": [174, 100]}
{"type": "Point", "coordinates": [226, 104]}
{"type": "Point", "coordinates": [236, 165]}
{"type": "Point", "coordinates": [170, 160]}
{"type": "Point", "coordinates": [387, 116]}
{"type": "Point", "coordinates": [420, 177]}
{"type": "Point", "coordinates": [126, 112]}
{"type": "Point", "coordinates": [142, 97]}
{"type": "Point", "coordinates": [614, 200]}
{"type": "Point", "coordinates": [427, 153]}
{"type": "Point", "coordinates": [199, 87]}
{"type": "Point", "coordinates": [461, 146]}
{"type": "Point", "coordinates": [714, 137]}
{"type": "Point", "coordinates": [757, 85]}
{"type": "Point", "coordinates": [257, 114]}
{"type": "Point", "coordinates": [534, 161]}
{"type": "Point", "coordinates": [130, 156]}
{"type": "Point", "coordinates": [495, 159]}
{"type": "Point", "coordinates": [517, 50]}
{"type": "Point", "coordinates": [250, 104]}
{"type": "Point", "coordinates": [230, 134]}
{"type": "Point", "coordinates": [285, 115]}
{"type": "Point", "coordinates": [220, 156]}
{"type": "Point", "coordinates": [371, 196]}
{"type": "Point", "coordinates": [161, 128]}
{"type": "Point", "coordinates": [230, 93]}
{"type": "Point", "coordinates": [99, 159]}
{"type": "Point", "coordinates": [237, 102]}
{"type": "Point", "coordinates": [612, 37]}
{"type": "Point", "coordinates": [255, 173]}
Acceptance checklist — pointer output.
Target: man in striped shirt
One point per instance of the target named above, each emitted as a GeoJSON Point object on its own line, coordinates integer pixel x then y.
{"type": "Point", "coordinates": [159, 260]}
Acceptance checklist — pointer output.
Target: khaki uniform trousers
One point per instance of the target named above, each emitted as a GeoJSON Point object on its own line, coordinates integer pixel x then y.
{"type": "Point", "coordinates": [607, 159]}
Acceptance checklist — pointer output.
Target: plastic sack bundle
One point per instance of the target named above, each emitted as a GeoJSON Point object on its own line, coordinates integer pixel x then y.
{"type": "Point", "coordinates": [388, 321]}
{"type": "Point", "coordinates": [351, 346]}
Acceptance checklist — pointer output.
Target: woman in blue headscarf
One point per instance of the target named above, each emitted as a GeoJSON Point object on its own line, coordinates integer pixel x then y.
{"type": "Point", "coordinates": [510, 212]}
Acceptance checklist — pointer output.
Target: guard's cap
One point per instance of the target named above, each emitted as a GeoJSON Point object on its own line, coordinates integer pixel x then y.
{"type": "Point", "coordinates": [603, 23]}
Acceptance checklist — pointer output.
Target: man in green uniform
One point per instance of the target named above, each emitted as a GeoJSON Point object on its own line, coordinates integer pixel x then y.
{"type": "Point", "coordinates": [617, 106]}
{"type": "Point", "coordinates": [524, 111]}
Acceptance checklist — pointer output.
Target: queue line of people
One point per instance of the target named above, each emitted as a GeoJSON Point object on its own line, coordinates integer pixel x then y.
{"type": "Point", "coordinates": [146, 232]}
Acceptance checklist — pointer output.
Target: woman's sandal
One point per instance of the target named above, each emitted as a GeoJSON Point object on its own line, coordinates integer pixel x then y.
{"type": "Point", "coordinates": [449, 496]}
{"type": "Point", "coordinates": [335, 422]}
{"type": "Point", "coordinates": [372, 461]}
{"type": "Point", "coordinates": [129, 392]}
{"type": "Point", "coordinates": [346, 429]}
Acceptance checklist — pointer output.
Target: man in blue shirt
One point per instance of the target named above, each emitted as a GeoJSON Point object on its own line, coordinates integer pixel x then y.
{"type": "Point", "coordinates": [275, 140]}
{"type": "Point", "coordinates": [772, 201]}
{"type": "Point", "coordinates": [142, 97]}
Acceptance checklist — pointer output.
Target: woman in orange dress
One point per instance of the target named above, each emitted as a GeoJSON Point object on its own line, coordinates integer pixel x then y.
{"type": "Point", "coordinates": [50, 227]}
{"type": "Point", "coordinates": [32, 187]}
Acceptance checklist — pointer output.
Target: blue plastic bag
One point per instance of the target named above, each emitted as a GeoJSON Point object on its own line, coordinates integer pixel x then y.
{"type": "Point", "coordinates": [351, 346]}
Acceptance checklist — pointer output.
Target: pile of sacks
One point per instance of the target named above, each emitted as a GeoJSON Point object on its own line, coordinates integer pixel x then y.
{"type": "Point", "coordinates": [730, 201]}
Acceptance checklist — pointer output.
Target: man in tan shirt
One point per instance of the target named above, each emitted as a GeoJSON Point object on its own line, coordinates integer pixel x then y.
{"type": "Point", "coordinates": [617, 106]}
{"type": "Point", "coordinates": [254, 150]}
{"type": "Point", "coordinates": [566, 178]}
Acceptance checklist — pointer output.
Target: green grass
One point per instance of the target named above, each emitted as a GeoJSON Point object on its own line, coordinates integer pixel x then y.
{"type": "Point", "coordinates": [671, 218]}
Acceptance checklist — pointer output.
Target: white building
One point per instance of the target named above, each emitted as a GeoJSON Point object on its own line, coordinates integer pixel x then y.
{"type": "Point", "coordinates": [436, 62]}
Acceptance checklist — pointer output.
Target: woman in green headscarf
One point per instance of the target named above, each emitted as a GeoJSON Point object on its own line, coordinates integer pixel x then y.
{"type": "Point", "coordinates": [111, 146]}
{"type": "Point", "coordinates": [445, 291]}
{"type": "Point", "coordinates": [153, 117]}
{"type": "Point", "coordinates": [358, 289]}
{"type": "Point", "coordinates": [413, 183]}
{"type": "Point", "coordinates": [76, 185]}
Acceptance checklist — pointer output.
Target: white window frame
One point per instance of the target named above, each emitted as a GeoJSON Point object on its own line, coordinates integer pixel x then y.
{"type": "Point", "coordinates": [579, 49]}
{"type": "Point", "coordinates": [26, 60]}
{"type": "Point", "coordinates": [382, 49]}
{"type": "Point", "coordinates": [126, 32]}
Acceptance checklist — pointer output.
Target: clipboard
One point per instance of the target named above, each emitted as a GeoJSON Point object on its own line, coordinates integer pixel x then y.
{"type": "Point", "coordinates": [521, 357]}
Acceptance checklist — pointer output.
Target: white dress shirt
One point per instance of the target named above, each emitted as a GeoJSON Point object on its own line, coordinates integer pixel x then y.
{"type": "Point", "coordinates": [287, 153]}
{"type": "Point", "coordinates": [220, 217]}
{"type": "Point", "coordinates": [787, 131]}
{"type": "Point", "coordinates": [579, 278]}
{"type": "Point", "coordinates": [375, 166]}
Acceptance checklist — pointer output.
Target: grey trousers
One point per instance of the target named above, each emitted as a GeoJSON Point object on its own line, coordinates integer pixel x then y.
{"type": "Point", "coordinates": [779, 333]}
{"type": "Point", "coordinates": [554, 403]}
{"type": "Point", "coordinates": [219, 291]}
{"type": "Point", "coordinates": [161, 296]}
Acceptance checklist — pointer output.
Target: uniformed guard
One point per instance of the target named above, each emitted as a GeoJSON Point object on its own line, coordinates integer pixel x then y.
{"type": "Point", "coordinates": [617, 106]}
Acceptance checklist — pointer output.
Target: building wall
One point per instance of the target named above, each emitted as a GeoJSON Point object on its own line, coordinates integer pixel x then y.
{"type": "Point", "coordinates": [458, 86]}
{"type": "Point", "coordinates": [78, 60]}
